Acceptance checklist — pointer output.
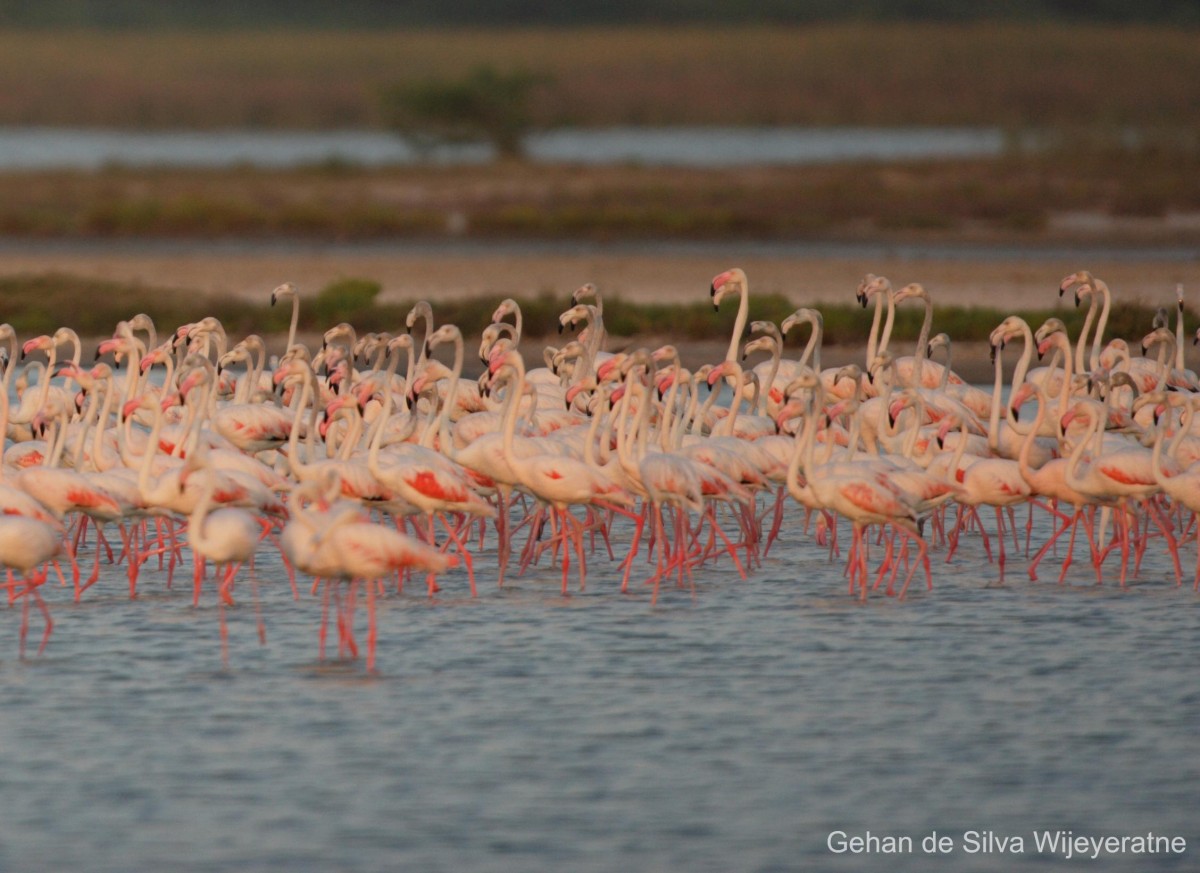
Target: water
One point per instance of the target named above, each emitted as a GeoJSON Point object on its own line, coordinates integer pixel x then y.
{"type": "Point", "coordinates": [729, 729]}
{"type": "Point", "coordinates": [40, 148]}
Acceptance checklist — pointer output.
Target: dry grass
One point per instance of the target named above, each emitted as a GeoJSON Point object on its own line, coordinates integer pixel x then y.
{"type": "Point", "coordinates": [877, 74]}
{"type": "Point", "coordinates": [1013, 197]}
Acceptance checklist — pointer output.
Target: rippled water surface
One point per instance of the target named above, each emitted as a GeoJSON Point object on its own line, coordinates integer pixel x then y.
{"type": "Point", "coordinates": [727, 729]}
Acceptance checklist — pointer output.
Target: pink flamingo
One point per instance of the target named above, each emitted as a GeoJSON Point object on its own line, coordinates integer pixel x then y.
{"type": "Point", "coordinates": [25, 544]}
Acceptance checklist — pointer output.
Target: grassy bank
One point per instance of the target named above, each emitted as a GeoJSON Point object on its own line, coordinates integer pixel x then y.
{"type": "Point", "coordinates": [1014, 75]}
{"type": "Point", "coordinates": [41, 304]}
{"type": "Point", "coordinates": [1018, 197]}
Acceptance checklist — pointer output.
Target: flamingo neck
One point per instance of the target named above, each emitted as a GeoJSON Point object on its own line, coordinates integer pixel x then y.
{"type": "Point", "coordinates": [994, 413]}
{"type": "Point", "coordinates": [1094, 360]}
{"type": "Point", "coordinates": [1030, 435]}
{"type": "Point", "coordinates": [510, 423]}
{"type": "Point", "coordinates": [923, 343]}
{"type": "Point", "coordinates": [739, 323]}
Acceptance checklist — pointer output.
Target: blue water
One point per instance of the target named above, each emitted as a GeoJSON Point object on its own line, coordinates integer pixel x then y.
{"type": "Point", "coordinates": [31, 148]}
{"type": "Point", "coordinates": [729, 729]}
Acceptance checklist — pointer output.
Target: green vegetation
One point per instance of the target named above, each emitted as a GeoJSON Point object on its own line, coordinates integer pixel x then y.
{"type": "Point", "coordinates": [35, 304]}
{"type": "Point", "coordinates": [484, 106]}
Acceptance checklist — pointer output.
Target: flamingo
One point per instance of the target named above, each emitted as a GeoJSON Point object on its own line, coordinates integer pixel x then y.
{"type": "Point", "coordinates": [25, 545]}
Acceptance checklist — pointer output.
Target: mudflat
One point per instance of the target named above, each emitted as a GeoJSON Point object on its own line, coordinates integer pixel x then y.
{"type": "Point", "coordinates": [673, 275]}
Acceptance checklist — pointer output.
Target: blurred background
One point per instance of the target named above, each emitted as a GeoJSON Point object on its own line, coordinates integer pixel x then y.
{"type": "Point", "coordinates": [224, 147]}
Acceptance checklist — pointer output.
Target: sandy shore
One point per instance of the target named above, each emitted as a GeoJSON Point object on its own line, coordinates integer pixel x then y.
{"type": "Point", "coordinates": [1004, 281]}
{"type": "Point", "coordinates": [437, 273]}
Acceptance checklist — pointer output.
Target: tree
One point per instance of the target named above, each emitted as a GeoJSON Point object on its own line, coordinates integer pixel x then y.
{"type": "Point", "coordinates": [486, 105]}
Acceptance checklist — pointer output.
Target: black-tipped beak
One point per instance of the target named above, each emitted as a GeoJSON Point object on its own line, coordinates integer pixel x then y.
{"type": "Point", "coordinates": [712, 291]}
{"type": "Point", "coordinates": [1061, 290]}
{"type": "Point", "coordinates": [560, 328]}
{"type": "Point", "coordinates": [993, 355]}
{"type": "Point", "coordinates": [1143, 349]}
{"type": "Point", "coordinates": [716, 308]}
{"type": "Point", "coordinates": [1078, 299]}
{"type": "Point", "coordinates": [425, 349]}
{"type": "Point", "coordinates": [273, 298]}
{"type": "Point", "coordinates": [941, 442]}
{"type": "Point", "coordinates": [1016, 413]}
{"type": "Point", "coordinates": [862, 298]}
{"type": "Point", "coordinates": [870, 377]}
{"type": "Point", "coordinates": [891, 420]}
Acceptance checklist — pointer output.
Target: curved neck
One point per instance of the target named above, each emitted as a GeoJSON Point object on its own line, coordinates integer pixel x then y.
{"type": "Point", "coordinates": [1085, 331]}
{"type": "Point", "coordinates": [518, 390]}
{"type": "Point", "coordinates": [923, 342]}
{"type": "Point", "coordinates": [1094, 360]}
{"type": "Point", "coordinates": [739, 323]}
{"type": "Point", "coordinates": [441, 425]}
{"type": "Point", "coordinates": [291, 340]}
{"type": "Point", "coordinates": [994, 414]}
{"type": "Point", "coordinates": [873, 336]}
{"type": "Point", "coordinates": [307, 392]}
{"type": "Point", "coordinates": [1027, 441]}
{"type": "Point", "coordinates": [151, 450]}
{"type": "Point", "coordinates": [888, 322]}
{"type": "Point", "coordinates": [764, 393]}
{"type": "Point", "coordinates": [385, 413]}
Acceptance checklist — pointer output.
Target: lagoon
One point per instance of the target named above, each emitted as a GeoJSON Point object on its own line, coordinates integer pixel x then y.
{"type": "Point", "coordinates": [46, 148]}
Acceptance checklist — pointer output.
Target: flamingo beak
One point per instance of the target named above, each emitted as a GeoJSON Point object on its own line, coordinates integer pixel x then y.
{"type": "Point", "coordinates": [993, 355]}
{"type": "Point", "coordinates": [560, 328]}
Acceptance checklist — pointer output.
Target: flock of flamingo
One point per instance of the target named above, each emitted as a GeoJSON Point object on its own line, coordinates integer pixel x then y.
{"type": "Point", "coordinates": [361, 477]}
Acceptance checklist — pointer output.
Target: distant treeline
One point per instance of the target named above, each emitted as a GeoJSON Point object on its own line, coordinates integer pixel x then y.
{"type": "Point", "coordinates": [399, 13]}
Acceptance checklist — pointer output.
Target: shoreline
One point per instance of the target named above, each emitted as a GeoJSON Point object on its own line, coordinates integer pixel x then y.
{"type": "Point", "coordinates": [667, 274]}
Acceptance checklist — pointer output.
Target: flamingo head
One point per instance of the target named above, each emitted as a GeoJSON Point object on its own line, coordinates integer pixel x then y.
{"type": "Point", "coordinates": [282, 292]}
{"type": "Point", "coordinates": [1081, 277]}
{"type": "Point", "coordinates": [870, 285]}
{"type": "Point", "coordinates": [731, 282]}
{"type": "Point", "coordinates": [41, 343]}
{"type": "Point", "coordinates": [610, 368]}
{"type": "Point", "coordinates": [1019, 397]}
{"type": "Point", "coordinates": [117, 345]}
{"type": "Point", "coordinates": [912, 289]}
{"type": "Point", "coordinates": [583, 292]}
{"type": "Point", "coordinates": [791, 408]}
{"type": "Point", "coordinates": [575, 390]}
